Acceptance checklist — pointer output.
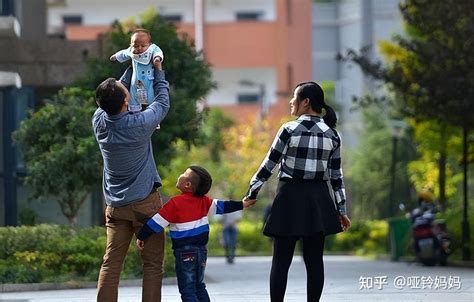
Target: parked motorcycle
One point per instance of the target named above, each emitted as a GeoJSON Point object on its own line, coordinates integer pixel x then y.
{"type": "Point", "coordinates": [431, 241]}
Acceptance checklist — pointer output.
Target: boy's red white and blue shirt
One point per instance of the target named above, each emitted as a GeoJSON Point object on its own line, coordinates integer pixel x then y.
{"type": "Point", "coordinates": [187, 218]}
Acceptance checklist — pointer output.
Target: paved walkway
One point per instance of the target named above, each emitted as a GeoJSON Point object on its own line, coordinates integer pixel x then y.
{"type": "Point", "coordinates": [247, 280]}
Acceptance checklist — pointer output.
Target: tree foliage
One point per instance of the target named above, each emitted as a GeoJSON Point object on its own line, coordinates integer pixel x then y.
{"type": "Point", "coordinates": [369, 175]}
{"type": "Point", "coordinates": [60, 152]}
{"type": "Point", "coordinates": [430, 70]}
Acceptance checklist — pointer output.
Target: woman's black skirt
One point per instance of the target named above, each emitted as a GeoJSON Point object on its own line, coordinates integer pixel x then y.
{"type": "Point", "coordinates": [302, 208]}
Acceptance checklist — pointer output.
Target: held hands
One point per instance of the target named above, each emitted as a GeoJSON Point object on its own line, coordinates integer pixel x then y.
{"type": "Point", "coordinates": [140, 244]}
{"type": "Point", "coordinates": [345, 222]}
{"type": "Point", "coordinates": [247, 203]}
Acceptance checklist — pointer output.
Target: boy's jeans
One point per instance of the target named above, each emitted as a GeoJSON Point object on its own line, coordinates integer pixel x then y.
{"type": "Point", "coordinates": [190, 265]}
{"type": "Point", "coordinates": [122, 223]}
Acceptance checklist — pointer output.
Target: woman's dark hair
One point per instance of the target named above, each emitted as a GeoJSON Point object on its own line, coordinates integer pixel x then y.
{"type": "Point", "coordinates": [315, 94]}
{"type": "Point", "coordinates": [202, 182]}
{"type": "Point", "coordinates": [330, 118]}
{"type": "Point", "coordinates": [109, 96]}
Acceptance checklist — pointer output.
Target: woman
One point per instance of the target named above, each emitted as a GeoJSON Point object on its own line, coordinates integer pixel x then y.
{"type": "Point", "coordinates": [308, 151]}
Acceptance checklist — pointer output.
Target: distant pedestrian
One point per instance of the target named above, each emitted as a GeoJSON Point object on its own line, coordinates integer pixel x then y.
{"type": "Point", "coordinates": [307, 151]}
{"type": "Point", "coordinates": [189, 229]}
{"type": "Point", "coordinates": [229, 234]}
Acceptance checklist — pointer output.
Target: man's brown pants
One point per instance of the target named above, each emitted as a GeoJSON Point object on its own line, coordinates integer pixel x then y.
{"type": "Point", "coordinates": [122, 223]}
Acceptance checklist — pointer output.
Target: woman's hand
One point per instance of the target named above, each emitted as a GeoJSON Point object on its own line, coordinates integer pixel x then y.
{"type": "Point", "coordinates": [345, 222]}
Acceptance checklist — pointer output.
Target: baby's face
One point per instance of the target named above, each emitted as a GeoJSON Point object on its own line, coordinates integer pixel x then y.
{"type": "Point", "coordinates": [140, 42]}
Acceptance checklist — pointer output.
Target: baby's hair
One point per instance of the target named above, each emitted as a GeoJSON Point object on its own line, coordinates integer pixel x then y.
{"type": "Point", "coordinates": [201, 181]}
{"type": "Point", "coordinates": [142, 30]}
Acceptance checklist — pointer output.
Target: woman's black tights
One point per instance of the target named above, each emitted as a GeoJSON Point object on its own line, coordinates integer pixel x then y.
{"type": "Point", "coordinates": [283, 249]}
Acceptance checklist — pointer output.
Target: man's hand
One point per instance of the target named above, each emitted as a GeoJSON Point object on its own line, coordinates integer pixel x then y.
{"type": "Point", "coordinates": [247, 203]}
{"type": "Point", "coordinates": [157, 63]}
{"type": "Point", "coordinates": [345, 222]}
{"type": "Point", "coordinates": [140, 244]}
{"type": "Point", "coordinates": [113, 58]}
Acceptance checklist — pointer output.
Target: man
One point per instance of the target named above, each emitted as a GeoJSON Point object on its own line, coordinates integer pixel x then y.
{"type": "Point", "coordinates": [130, 180]}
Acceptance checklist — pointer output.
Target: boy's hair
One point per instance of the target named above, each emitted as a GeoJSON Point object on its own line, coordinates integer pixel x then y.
{"type": "Point", "coordinates": [142, 30]}
{"type": "Point", "coordinates": [109, 96]}
{"type": "Point", "coordinates": [201, 181]}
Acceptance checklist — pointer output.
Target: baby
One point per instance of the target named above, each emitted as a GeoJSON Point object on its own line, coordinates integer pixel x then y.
{"type": "Point", "coordinates": [142, 53]}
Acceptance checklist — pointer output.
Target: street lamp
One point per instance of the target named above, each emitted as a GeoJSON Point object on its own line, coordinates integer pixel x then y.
{"type": "Point", "coordinates": [261, 96]}
{"type": "Point", "coordinates": [397, 128]}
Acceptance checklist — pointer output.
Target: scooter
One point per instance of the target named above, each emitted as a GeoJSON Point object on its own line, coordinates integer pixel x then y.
{"type": "Point", "coordinates": [431, 241]}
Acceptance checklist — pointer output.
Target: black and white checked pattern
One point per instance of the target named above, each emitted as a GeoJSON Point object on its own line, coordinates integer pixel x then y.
{"type": "Point", "coordinates": [305, 148]}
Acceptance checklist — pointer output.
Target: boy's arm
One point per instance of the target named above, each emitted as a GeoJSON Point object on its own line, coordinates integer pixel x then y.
{"type": "Point", "coordinates": [228, 206]}
{"type": "Point", "coordinates": [155, 224]}
{"type": "Point", "coordinates": [219, 207]}
{"type": "Point", "coordinates": [158, 222]}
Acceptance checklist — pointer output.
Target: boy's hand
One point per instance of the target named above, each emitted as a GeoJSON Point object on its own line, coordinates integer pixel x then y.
{"type": "Point", "coordinates": [157, 63]}
{"type": "Point", "coordinates": [140, 244]}
{"type": "Point", "coordinates": [247, 203]}
{"type": "Point", "coordinates": [113, 58]}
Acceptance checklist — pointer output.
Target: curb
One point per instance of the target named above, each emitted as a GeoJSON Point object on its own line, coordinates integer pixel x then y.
{"type": "Point", "coordinates": [26, 287]}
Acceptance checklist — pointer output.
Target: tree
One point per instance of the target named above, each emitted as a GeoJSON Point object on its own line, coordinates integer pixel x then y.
{"type": "Point", "coordinates": [432, 69]}
{"type": "Point", "coordinates": [61, 154]}
{"type": "Point", "coordinates": [368, 175]}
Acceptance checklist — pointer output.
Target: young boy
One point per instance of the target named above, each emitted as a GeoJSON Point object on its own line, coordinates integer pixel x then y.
{"type": "Point", "coordinates": [189, 229]}
{"type": "Point", "coordinates": [142, 53]}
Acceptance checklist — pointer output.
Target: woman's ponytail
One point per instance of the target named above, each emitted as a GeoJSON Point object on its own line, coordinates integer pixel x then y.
{"type": "Point", "coordinates": [330, 117]}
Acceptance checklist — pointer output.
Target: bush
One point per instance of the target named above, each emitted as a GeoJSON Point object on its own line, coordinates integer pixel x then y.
{"type": "Point", "coordinates": [52, 253]}
{"type": "Point", "coordinates": [365, 237]}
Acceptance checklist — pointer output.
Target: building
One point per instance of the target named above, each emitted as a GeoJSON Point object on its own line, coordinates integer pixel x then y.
{"type": "Point", "coordinates": [258, 50]}
{"type": "Point", "coordinates": [339, 25]}
{"type": "Point", "coordinates": [32, 67]}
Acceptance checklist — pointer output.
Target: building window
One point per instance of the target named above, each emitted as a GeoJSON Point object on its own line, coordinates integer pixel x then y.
{"type": "Point", "coordinates": [6, 7]}
{"type": "Point", "coordinates": [248, 16]}
{"type": "Point", "coordinates": [172, 18]}
{"type": "Point", "coordinates": [72, 20]}
{"type": "Point", "coordinates": [247, 98]}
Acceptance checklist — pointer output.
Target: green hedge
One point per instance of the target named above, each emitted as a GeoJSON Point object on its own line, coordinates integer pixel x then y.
{"type": "Point", "coordinates": [52, 253]}
{"type": "Point", "coordinates": [365, 238]}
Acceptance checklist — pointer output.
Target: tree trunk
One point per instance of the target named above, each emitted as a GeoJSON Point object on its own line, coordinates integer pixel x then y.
{"type": "Point", "coordinates": [466, 253]}
{"type": "Point", "coordinates": [442, 180]}
{"type": "Point", "coordinates": [71, 205]}
{"type": "Point", "coordinates": [443, 155]}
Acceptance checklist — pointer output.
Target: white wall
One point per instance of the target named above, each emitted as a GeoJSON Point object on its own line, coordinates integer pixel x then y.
{"type": "Point", "coordinates": [228, 84]}
{"type": "Point", "coordinates": [225, 10]}
{"type": "Point", "coordinates": [103, 12]}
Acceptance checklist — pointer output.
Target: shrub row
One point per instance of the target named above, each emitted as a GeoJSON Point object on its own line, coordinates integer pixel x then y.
{"type": "Point", "coordinates": [53, 253]}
